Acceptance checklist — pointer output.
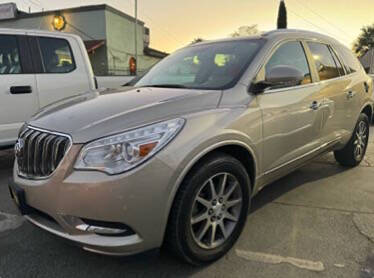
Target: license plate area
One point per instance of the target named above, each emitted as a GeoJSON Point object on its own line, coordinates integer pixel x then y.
{"type": "Point", "coordinates": [19, 197]}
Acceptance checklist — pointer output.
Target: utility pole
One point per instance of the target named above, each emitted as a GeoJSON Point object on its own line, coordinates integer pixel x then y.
{"type": "Point", "coordinates": [136, 37]}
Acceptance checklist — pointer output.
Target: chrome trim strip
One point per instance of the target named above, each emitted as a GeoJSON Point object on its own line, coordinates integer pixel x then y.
{"type": "Point", "coordinates": [99, 230]}
{"type": "Point", "coordinates": [323, 146]}
{"type": "Point", "coordinates": [91, 240]}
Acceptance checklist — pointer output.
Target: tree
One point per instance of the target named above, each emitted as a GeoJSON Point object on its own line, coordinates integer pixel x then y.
{"type": "Point", "coordinates": [282, 16]}
{"type": "Point", "coordinates": [244, 31]}
{"type": "Point", "coordinates": [197, 40]}
{"type": "Point", "coordinates": [365, 40]}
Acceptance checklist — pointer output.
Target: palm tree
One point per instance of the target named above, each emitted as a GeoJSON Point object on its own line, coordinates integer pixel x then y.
{"type": "Point", "coordinates": [282, 16]}
{"type": "Point", "coordinates": [365, 40]}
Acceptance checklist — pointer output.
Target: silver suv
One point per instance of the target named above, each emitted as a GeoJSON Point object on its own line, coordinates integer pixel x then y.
{"type": "Point", "coordinates": [176, 159]}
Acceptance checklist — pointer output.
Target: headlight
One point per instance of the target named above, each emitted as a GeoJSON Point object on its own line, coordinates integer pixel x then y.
{"type": "Point", "coordinates": [119, 153]}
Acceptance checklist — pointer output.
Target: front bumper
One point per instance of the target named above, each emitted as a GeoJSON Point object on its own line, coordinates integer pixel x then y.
{"type": "Point", "coordinates": [139, 199]}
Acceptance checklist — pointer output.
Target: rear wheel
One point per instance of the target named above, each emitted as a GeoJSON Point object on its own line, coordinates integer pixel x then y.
{"type": "Point", "coordinates": [210, 210]}
{"type": "Point", "coordinates": [354, 152]}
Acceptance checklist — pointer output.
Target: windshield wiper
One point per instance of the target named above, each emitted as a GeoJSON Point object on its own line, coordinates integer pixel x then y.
{"type": "Point", "coordinates": [166, 86]}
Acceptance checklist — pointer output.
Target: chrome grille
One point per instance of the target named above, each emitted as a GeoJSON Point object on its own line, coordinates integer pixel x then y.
{"type": "Point", "coordinates": [40, 152]}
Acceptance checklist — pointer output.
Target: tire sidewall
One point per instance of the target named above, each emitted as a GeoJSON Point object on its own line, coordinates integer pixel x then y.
{"type": "Point", "coordinates": [215, 166]}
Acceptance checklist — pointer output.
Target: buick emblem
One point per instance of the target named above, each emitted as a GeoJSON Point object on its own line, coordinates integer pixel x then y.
{"type": "Point", "coordinates": [18, 148]}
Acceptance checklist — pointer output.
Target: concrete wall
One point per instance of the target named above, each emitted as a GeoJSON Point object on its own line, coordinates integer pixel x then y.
{"type": "Point", "coordinates": [121, 45]}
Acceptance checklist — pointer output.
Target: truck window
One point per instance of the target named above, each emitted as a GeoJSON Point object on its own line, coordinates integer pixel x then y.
{"type": "Point", "coordinates": [9, 55]}
{"type": "Point", "coordinates": [56, 55]}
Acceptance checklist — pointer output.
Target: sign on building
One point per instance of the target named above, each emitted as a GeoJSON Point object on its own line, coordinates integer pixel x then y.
{"type": "Point", "coordinates": [8, 11]}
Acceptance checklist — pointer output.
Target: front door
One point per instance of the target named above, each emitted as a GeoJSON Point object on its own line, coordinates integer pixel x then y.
{"type": "Point", "coordinates": [291, 116]}
{"type": "Point", "coordinates": [18, 92]}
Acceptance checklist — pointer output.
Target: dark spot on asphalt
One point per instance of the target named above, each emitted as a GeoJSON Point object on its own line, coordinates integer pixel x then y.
{"type": "Point", "coordinates": [368, 270]}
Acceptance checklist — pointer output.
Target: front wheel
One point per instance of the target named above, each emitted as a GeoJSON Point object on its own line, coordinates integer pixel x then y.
{"type": "Point", "coordinates": [210, 210]}
{"type": "Point", "coordinates": [354, 152]}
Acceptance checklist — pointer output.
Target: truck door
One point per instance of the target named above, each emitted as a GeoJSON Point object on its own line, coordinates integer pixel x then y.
{"type": "Point", "coordinates": [18, 92]}
{"type": "Point", "coordinates": [62, 73]}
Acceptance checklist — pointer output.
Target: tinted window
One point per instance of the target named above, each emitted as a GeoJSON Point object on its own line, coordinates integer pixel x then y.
{"type": "Point", "coordinates": [351, 63]}
{"type": "Point", "coordinates": [206, 66]}
{"type": "Point", "coordinates": [57, 56]}
{"type": "Point", "coordinates": [9, 55]}
{"type": "Point", "coordinates": [337, 62]}
{"type": "Point", "coordinates": [290, 54]}
{"type": "Point", "coordinates": [324, 61]}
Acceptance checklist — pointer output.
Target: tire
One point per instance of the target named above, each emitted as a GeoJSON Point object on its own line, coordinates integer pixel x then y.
{"type": "Point", "coordinates": [349, 156]}
{"type": "Point", "coordinates": [184, 236]}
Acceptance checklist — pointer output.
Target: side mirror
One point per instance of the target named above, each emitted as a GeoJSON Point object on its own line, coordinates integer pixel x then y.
{"type": "Point", "coordinates": [279, 77]}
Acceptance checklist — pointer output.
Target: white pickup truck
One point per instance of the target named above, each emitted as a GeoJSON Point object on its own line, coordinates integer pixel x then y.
{"type": "Point", "coordinates": [38, 68]}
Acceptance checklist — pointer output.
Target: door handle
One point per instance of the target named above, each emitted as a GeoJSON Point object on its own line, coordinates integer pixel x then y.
{"type": "Point", "coordinates": [315, 105]}
{"type": "Point", "coordinates": [366, 85]}
{"type": "Point", "coordinates": [18, 90]}
{"type": "Point", "coordinates": [350, 94]}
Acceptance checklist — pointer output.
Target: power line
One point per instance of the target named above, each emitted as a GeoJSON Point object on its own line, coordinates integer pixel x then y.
{"type": "Point", "coordinates": [323, 18]}
{"type": "Point", "coordinates": [315, 25]}
{"type": "Point", "coordinates": [167, 33]}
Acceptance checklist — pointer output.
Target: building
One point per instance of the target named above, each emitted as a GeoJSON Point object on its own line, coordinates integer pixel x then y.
{"type": "Point", "coordinates": [109, 34]}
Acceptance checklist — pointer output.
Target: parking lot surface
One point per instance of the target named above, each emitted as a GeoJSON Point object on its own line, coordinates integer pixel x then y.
{"type": "Point", "coordinates": [316, 222]}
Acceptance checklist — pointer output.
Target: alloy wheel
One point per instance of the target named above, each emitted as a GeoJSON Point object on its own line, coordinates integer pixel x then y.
{"type": "Point", "coordinates": [216, 210]}
{"type": "Point", "coordinates": [361, 139]}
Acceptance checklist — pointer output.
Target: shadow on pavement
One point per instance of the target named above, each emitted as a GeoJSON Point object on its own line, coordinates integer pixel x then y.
{"type": "Point", "coordinates": [310, 173]}
{"type": "Point", "coordinates": [6, 159]}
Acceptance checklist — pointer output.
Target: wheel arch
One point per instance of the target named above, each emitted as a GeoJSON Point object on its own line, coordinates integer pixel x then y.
{"type": "Point", "coordinates": [368, 110]}
{"type": "Point", "coordinates": [237, 149]}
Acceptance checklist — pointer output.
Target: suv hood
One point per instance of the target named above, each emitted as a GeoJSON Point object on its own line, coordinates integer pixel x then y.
{"type": "Point", "coordinates": [98, 114]}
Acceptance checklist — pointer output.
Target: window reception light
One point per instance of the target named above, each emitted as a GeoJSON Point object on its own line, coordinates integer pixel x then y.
{"type": "Point", "coordinates": [59, 22]}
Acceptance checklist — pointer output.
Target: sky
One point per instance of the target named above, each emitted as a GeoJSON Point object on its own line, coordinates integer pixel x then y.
{"type": "Point", "coordinates": [175, 23]}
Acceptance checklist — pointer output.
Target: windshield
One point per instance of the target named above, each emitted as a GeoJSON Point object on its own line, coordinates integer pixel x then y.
{"type": "Point", "coordinates": [209, 66]}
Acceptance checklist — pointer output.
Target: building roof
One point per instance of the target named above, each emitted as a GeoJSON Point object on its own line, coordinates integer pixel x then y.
{"type": "Point", "coordinates": [80, 9]}
{"type": "Point", "coordinates": [154, 53]}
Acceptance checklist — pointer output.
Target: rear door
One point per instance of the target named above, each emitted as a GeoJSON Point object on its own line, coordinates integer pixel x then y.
{"type": "Point", "coordinates": [356, 89]}
{"type": "Point", "coordinates": [291, 115]}
{"type": "Point", "coordinates": [61, 73]}
{"type": "Point", "coordinates": [334, 86]}
{"type": "Point", "coordinates": [18, 91]}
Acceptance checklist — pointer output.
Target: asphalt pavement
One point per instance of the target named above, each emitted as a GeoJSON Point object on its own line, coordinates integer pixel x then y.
{"type": "Point", "coordinates": [316, 222]}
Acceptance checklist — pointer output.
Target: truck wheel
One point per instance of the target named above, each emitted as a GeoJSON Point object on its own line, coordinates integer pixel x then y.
{"type": "Point", "coordinates": [354, 152]}
{"type": "Point", "coordinates": [210, 210]}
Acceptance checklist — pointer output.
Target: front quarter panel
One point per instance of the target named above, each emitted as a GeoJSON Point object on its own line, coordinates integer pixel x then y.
{"type": "Point", "coordinates": [207, 131]}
